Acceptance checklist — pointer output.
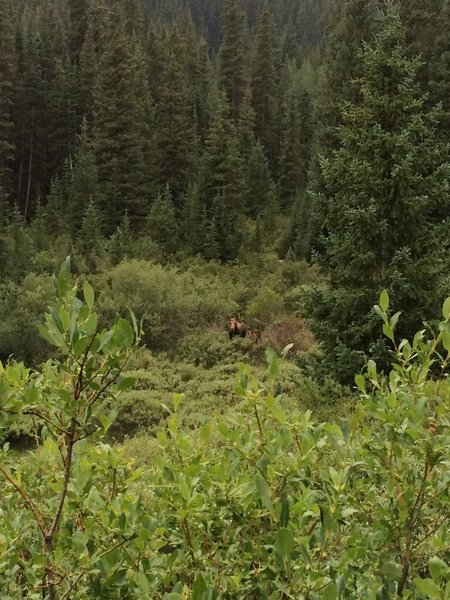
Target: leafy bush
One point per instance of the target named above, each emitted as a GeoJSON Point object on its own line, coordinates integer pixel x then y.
{"type": "Point", "coordinates": [137, 413]}
{"type": "Point", "coordinates": [171, 302]}
{"type": "Point", "coordinates": [21, 308]}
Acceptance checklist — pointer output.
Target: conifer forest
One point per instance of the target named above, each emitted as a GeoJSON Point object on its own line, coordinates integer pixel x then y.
{"type": "Point", "coordinates": [224, 299]}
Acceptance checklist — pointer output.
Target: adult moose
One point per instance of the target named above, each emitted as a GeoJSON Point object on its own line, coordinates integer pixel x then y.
{"type": "Point", "coordinates": [237, 328]}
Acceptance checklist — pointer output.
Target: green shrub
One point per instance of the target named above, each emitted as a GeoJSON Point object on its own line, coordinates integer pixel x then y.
{"type": "Point", "coordinates": [137, 413]}
{"type": "Point", "coordinates": [21, 308]}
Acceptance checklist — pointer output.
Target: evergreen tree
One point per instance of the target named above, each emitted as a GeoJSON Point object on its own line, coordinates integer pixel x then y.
{"type": "Point", "coordinates": [296, 140]}
{"type": "Point", "coordinates": [232, 54]}
{"type": "Point", "coordinates": [440, 69]}
{"type": "Point", "coordinates": [120, 111]}
{"type": "Point", "coordinates": [78, 26]}
{"type": "Point", "coordinates": [30, 102]}
{"type": "Point", "coordinates": [246, 126]}
{"type": "Point", "coordinates": [90, 241]}
{"type": "Point", "coordinates": [7, 73]}
{"type": "Point", "coordinates": [84, 181]}
{"type": "Point", "coordinates": [175, 131]}
{"type": "Point", "coordinates": [17, 247]}
{"type": "Point", "coordinates": [192, 225]}
{"type": "Point", "coordinates": [259, 181]}
{"type": "Point", "coordinates": [161, 224]}
{"type": "Point", "coordinates": [264, 84]}
{"type": "Point", "coordinates": [121, 242]}
{"type": "Point", "coordinates": [223, 178]}
{"type": "Point", "coordinates": [352, 23]}
{"type": "Point", "coordinates": [386, 207]}
{"type": "Point", "coordinates": [63, 101]}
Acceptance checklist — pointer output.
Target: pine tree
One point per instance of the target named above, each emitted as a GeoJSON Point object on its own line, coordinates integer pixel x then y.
{"type": "Point", "coordinates": [386, 207]}
{"type": "Point", "coordinates": [120, 111]}
{"type": "Point", "coordinates": [246, 126]}
{"type": "Point", "coordinates": [90, 241]}
{"type": "Point", "coordinates": [121, 242]}
{"type": "Point", "coordinates": [30, 102]}
{"type": "Point", "coordinates": [161, 224]}
{"type": "Point", "coordinates": [296, 140]}
{"type": "Point", "coordinates": [175, 131]}
{"type": "Point", "coordinates": [259, 180]}
{"type": "Point", "coordinates": [232, 54]}
{"type": "Point", "coordinates": [63, 101]}
{"type": "Point", "coordinates": [78, 26]}
{"type": "Point", "coordinates": [440, 69]}
{"type": "Point", "coordinates": [7, 73]}
{"type": "Point", "coordinates": [192, 225]}
{"type": "Point", "coordinates": [223, 178]}
{"type": "Point", "coordinates": [264, 84]}
{"type": "Point", "coordinates": [83, 182]}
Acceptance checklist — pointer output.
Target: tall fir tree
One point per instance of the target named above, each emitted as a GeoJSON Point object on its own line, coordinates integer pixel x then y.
{"type": "Point", "coordinates": [7, 74]}
{"type": "Point", "coordinates": [78, 26]}
{"type": "Point", "coordinates": [264, 84]}
{"type": "Point", "coordinates": [120, 111]}
{"type": "Point", "coordinates": [386, 208]}
{"type": "Point", "coordinates": [259, 181]}
{"type": "Point", "coordinates": [161, 223]}
{"type": "Point", "coordinates": [30, 117]}
{"type": "Point", "coordinates": [440, 69]}
{"type": "Point", "coordinates": [295, 145]}
{"type": "Point", "coordinates": [223, 178]}
{"type": "Point", "coordinates": [232, 54]}
{"type": "Point", "coordinates": [83, 181]}
{"type": "Point", "coordinates": [175, 123]}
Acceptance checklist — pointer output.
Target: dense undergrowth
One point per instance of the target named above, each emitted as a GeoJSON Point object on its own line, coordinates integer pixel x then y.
{"type": "Point", "coordinates": [262, 501]}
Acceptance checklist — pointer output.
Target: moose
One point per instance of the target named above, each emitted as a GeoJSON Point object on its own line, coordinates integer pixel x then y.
{"type": "Point", "coordinates": [239, 328]}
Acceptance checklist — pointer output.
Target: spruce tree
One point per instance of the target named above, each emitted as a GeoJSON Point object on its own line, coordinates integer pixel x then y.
{"type": "Point", "coordinates": [264, 84]}
{"type": "Point", "coordinates": [83, 182]}
{"type": "Point", "coordinates": [7, 73]}
{"type": "Point", "coordinates": [232, 54]}
{"type": "Point", "coordinates": [296, 140]}
{"type": "Point", "coordinates": [78, 26]}
{"type": "Point", "coordinates": [386, 207]}
{"type": "Point", "coordinates": [90, 241]}
{"type": "Point", "coordinates": [120, 111]}
{"type": "Point", "coordinates": [259, 181]}
{"type": "Point", "coordinates": [192, 225]}
{"type": "Point", "coordinates": [175, 131]}
{"type": "Point", "coordinates": [121, 242]}
{"type": "Point", "coordinates": [223, 178]}
{"type": "Point", "coordinates": [161, 224]}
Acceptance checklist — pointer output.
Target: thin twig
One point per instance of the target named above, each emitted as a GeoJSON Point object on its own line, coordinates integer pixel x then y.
{"type": "Point", "coordinates": [28, 500]}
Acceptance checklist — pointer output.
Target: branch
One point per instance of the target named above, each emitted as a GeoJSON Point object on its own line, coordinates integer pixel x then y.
{"type": "Point", "coordinates": [67, 469]}
{"type": "Point", "coordinates": [28, 500]}
{"type": "Point", "coordinates": [79, 383]}
{"type": "Point", "coordinates": [73, 584]}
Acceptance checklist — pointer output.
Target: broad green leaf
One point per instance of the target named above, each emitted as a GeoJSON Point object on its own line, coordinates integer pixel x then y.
{"type": "Point", "coordinates": [264, 491]}
{"type": "Point", "coordinates": [384, 300]}
{"type": "Point", "coordinates": [428, 587]}
{"type": "Point", "coordinates": [126, 383]}
{"type": "Point", "coordinates": [330, 592]}
{"type": "Point", "coordinates": [360, 381]}
{"type": "Point", "coordinates": [88, 294]}
{"type": "Point", "coordinates": [284, 542]}
{"type": "Point", "coordinates": [446, 309]}
{"type": "Point", "coordinates": [387, 330]}
{"type": "Point", "coordinates": [437, 567]}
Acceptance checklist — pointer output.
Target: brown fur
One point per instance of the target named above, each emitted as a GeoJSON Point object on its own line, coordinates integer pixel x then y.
{"type": "Point", "coordinates": [255, 335]}
{"type": "Point", "coordinates": [237, 328]}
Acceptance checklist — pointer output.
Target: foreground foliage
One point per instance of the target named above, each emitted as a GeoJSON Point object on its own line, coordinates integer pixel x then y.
{"type": "Point", "coordinates": [259, 505]}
